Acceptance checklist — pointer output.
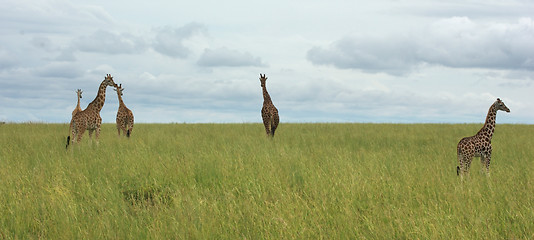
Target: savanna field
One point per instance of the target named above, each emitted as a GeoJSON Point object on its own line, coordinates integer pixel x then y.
{"type": "Point", "coordinates": [229, 181]}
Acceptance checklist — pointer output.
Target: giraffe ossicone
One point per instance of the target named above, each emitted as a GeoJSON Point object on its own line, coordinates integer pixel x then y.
{"type": "Point", "coordinates": [479, 145]}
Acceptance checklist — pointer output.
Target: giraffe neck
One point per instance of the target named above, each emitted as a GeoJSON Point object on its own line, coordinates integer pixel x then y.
{"type": "Point", "coordinates": [98, 103]}
{"type": "Point", "coordinates": [121, 103]}
{"type": "Point", "coordinates": [78, 106]}
{"type": "Point", "coordinates": [266, 97]}
{"type": "Point", "coordinates": [489, 126]}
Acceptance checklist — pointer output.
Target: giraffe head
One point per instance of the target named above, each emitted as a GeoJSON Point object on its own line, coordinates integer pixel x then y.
{"type": "Point", "coordinates": [118, 89]}
{"type": "Point", "coordinates": [499, 105]}
{"type": "Point", "coordinates": [79, 92]}
{"type": "Point", "coordinates": [262, 80]}
{"type": "Point", "coordinates": [108, 81]}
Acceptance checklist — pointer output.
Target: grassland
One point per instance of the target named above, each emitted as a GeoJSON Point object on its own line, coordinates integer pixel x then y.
{"type": "Point", "coordinates": [228, 181]}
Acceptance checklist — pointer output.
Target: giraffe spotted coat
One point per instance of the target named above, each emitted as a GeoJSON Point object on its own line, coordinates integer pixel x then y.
{"type": "Point", "coordinates": [269, 113]}
{"type": "Point", "coordinates": [78, 108]}
{"type": "Point", "coordinates": [89, 119]}
{"type": "Point", "coordinates": [479, 145]}
{"type": "Point", "coordinates": [125, 117]}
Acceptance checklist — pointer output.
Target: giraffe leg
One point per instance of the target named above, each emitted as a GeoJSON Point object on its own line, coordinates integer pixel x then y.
{"type": "Point", "coordinates": [125, 128]}
{"type": "Point", "coordinates": [467, 162]}
{"type": "Point", "coordinates": [266, 124]}
{"type": "Point", "coordinates": [130, 126]}
{"type": "Point", "coordinates": [97, 134]}
{"type": "Point", "coordinates": [487, 160]}
{"type": "Point", "coordinates": [98, 124]}
{"type": "Point", "coordinates": [120, 127]}
{"type": "Point", "coordinates": [74, 133]}
{"type": "Point", "coordinates": [460, 167]}
{"type": "Point", "coordinates": [267, 128]}
{"type": "Point", "coordinates": [79, 134]}
{"type": "Point", "coordinates": [462, 160]}
{"type": "Point", "coordinates": [275, 122]}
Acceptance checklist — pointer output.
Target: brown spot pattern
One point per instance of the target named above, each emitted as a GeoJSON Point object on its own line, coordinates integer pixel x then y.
{"type": "Point", "coordinates": [269, 113]}
{"type": "Point", "coordinates": [89, 119]}
{"type": "Point", "coordinates": [479, 145]}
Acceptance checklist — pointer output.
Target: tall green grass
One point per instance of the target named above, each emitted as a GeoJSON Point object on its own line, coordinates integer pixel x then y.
{"type": "Point", "coordinates": [229, 181]}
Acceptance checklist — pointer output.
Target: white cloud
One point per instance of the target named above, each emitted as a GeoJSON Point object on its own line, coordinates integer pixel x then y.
{"type": "Point", "coordinates": [461, 43]}
{"type": "Point", "coordinates": [43, 43]}
{"type": "Point", "coordinates": [475, 9]}
{"type": "Point", "coordinates": [59, 70]}
{"type": "Point", "coordinates": [416, 62]}
{"type": "Point", "coordinates": [370, 54]}
{"type": "Point", "coordinates": [66, 55]}
{"type": "Point", "coordinates": [6, 59]}
{"type": "Point", "coordinates": [102, 70]}
{"type": "Point", "coordinates": [106, 42]}
{"type": "Point", "coordinates": [58, 16]}
{"type": "Point", "coordinates": [454, 42]}
{"type": "Point", "coordinates": [224, 57]}
{"type": "Point", "coordinates": [170, 41]}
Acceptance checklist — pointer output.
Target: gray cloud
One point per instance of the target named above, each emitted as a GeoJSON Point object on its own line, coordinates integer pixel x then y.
{"type": "Point", "coordinates": [169, 41]}
{"type": "Point", "coordinates": [477, 9]}
{"type": "Point", "coordinates": [455, 42]}
{"type": "Point", "coordinates": [59, 16]}
{"type": "Point", "coordinates": [43, 43]}
{"type": "Point", "coordinates": [368, 54]}
{"type": "Point", "coordinates": [224, 57]}
{"type": "Point", "coordinates": [461, 43]}
{"type": "Point", "coordinates": [107, 42]}
{"type": "Point", "coordinates": [59, 70]}
{"type": "Point", "coordinates": [49, 49]}
{"type": "Point", "coordinates": [66, 55]}
{"type": "Point", "coordinates": [6, 59]}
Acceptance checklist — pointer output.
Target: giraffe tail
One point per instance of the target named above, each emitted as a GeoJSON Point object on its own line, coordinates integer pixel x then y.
{"type": "Point", "coordinates": [68, 137]}
{"type": "Point", "coordinates": [128, 133]}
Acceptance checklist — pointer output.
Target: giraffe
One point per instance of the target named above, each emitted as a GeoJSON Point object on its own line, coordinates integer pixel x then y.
{"type": "Point", "coordinates": [125, 117]}
{"type": "Point", "coordinates": [269, 113]}
{"type": "Point", "coordinates": [78, 108]}
{"type": "Point", "coordinates": [479, 145]}
{"type": "Point", "coordinates": [89, 119]}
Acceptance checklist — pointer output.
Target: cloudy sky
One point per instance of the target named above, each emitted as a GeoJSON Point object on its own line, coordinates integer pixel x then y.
{"type": "Point", "coordinates": [326, 61]}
